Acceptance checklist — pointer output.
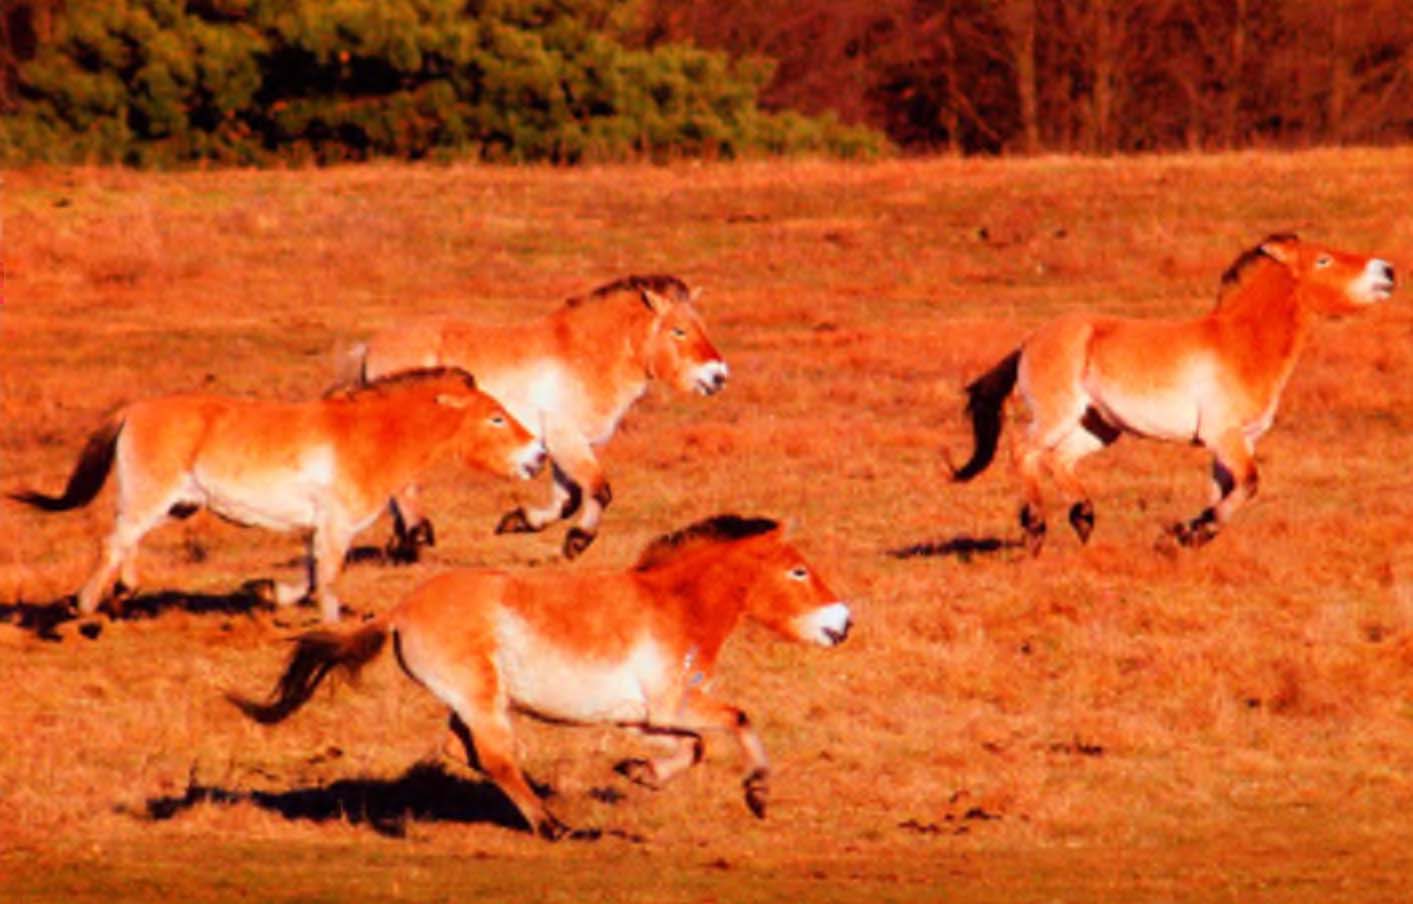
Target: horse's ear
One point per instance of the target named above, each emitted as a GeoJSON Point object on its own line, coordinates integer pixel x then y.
{"type": "Point", "coordinates": [453, 401]}
{"type": "Point", "coordinates": [655, 302]}
{"type": "Point", "coordinates": [1280, 246]}
{"type": "Point", "coordinates": [693, 295]}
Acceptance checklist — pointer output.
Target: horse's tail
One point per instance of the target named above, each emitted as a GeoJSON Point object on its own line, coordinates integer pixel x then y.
{"type": "Point", "coordinates": [316, 653]}
{"type": "Point", "coordinates": [89, 475]}
{"type": "Point", "coordinates": [987, 396]}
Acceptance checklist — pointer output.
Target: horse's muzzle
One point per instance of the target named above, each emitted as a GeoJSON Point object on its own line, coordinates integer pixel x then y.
{"type": "Point", "coordinates": [839, 636]}
{"type": "Point", "coordinates": [711, 378]}
{"type": "Point", "coordinates": [829, 625]}
{"type": "Point", "coordinates": [535, 464]}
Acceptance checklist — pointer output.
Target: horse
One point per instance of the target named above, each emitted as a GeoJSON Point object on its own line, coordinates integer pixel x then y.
{"type": "Point", "coordinates": [326, 466]}
{"type": "Point", "coordinates": [570, 376]}
{"type": "Point", "coordinates": [1215, 380]}
{"type": "Point", "coordinates": [634, 648]}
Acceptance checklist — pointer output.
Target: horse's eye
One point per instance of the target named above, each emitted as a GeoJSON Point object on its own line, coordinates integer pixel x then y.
{"type": "Point", "coordinates": [1323, 261]}
{"type": "Point", "coordinates": [799, 573]}
{"type": "Point", "coordinates": [498, 420]}
{"type": "Point", "coordinates": [678, 333]}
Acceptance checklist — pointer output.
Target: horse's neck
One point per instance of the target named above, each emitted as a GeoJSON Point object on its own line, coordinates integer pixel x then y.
{"type": "Point", "coordinates": [1265, 313]}
{"type": "Point", "coordinates": [421, 426]}
{"type": "Point", "coordinates": [710, 599]}
{"type": "Point", "coordinates": [607, 336]}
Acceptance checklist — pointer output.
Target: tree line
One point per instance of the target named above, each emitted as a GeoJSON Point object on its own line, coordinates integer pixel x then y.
{"type": "Point", "coordinates": [1077, 76]}
{"type": "Point", "coordinates": [172, 82]}
{"type": "Point", "coordinates": [157, 81]}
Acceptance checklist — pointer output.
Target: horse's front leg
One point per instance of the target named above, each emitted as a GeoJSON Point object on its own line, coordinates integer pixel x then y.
{"type": "Point", "coordinates": [699, 713]}
{"type": "Point", "coordinates": [686, 751]}
{"type": "Point", "coordinates": [1235, 480]}
{"type": "Point", "coordinates": [579, 482]}
{"type": "Point", "coordinates": [565, 499]}
{"type": "Point", "coordinates": [412, 529]}
{"type": "Point", "coordinates": [327, 549]}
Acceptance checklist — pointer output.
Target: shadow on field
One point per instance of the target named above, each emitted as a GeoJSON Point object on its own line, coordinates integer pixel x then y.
{"type": "Point", "coordinates": [44, 619]}
{"type": "Point", "coordinates": [425, 793]}
{"type": "Point", "coordinates": [963, 546]}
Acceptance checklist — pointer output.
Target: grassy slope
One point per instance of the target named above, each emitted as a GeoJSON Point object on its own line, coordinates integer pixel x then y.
{"type": "Point", "coordinates": [1103, 723]}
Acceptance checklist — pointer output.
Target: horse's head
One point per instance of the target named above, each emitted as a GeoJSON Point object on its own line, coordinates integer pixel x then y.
{"type": "Point", "coordinates": [489, 437]}
{"type": "Point", "coordinates": [678, 350]}
{"type": "Point", "coordinates": [785, 593]}
{"type": "Point", "coordinates": [1331, 281]}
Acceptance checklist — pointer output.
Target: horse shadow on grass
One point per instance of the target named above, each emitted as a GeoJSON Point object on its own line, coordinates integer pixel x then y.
{"type": "Point", "coordinates": [426, 792]}
{"type": "Point", "coordinates": [962, 546]}
{"type": "Point", "coordinates": [45, 619]}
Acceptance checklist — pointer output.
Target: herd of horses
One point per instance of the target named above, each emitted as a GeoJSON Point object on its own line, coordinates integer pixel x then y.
{"type": "Point", "coordinates": [636, 647]}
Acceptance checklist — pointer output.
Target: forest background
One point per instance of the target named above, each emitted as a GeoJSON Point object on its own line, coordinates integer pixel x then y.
{"type": "Point", "coordinates": [160, 82]}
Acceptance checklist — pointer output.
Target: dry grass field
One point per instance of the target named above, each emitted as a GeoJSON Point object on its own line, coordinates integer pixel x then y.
{"type": "Point", "coordinates": [1102, 723]}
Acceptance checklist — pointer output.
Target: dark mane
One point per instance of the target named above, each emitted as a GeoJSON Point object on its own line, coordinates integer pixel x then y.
{"type": "Point", "coordinates": [716, 529]}
{"type": "Point", "coordinates": [400, 380]}
{"type": "Point", "coordinates": [1251, 255]}
{"type": "Point", "coordinates": [669, 287]}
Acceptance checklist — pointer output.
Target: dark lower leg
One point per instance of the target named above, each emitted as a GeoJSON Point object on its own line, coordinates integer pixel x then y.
{"type": "Point", "coordinates": [1082, 519]}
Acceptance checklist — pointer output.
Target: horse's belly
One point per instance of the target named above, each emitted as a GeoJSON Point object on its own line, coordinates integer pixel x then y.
{"type": "Point", "coordinates": [554, 684]}
{"type": "Point", "coordinates": [1166, 411]}
{"type": "Point", "coordinates": [1175, 420]}
{"type": "Point", "coordinates": [277, 511]}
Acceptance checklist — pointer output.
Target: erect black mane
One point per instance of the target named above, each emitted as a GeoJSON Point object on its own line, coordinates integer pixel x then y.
{"type": "Point", "coordinates": [400, 379]}
{"type": "Point", "coordinates": [1251, 255]}
{"type": "Point", "coordinates": [716, 529]}
{"type": "Point", "coordinates": [669, 287]}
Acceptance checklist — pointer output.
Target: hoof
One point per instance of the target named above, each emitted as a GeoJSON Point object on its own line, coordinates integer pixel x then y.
{"type": "Point", "coordinates": [402, 551]}
{"type": "Point", "coordinates": [515, 522]}
{"type": "Point", "coordinates": [262, 589]}
{"type": "Point", "coordinates": [1082, 519]}
{"type": "Point", "coordinates": [1193, 535]}
{"type": "Point", "coordinates": [404, 547]}
{"type": "Point", "coordinates": [421, 534]}
{"type": "Point", "coordinates": [1197, 532]}
{"type": "Point", "coordinates": [637, 771]}
{"type": "Point", "coordinates": [757, 792]}
{"type": "Point", "coordinates": [551, 829]}
{"type": "Point", "coordinates": [576, 541]}
{"type": "Point", "coordinates": [1033, 524]}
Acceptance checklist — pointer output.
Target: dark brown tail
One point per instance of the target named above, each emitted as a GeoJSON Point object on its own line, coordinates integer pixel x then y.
{"type": "Point", "coordinates": [315, 655]}
{"type": "Point", "coordinates": [988, 394]}
{"type": "Point", "coordinates": [89, 474]}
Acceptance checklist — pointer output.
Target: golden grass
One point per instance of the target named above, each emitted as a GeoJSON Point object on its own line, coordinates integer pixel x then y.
{"type": "Point", "coordinates": [1101, 723]}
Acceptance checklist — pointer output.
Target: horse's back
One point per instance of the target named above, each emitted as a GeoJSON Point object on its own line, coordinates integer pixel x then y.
{"type": "Point", "coordinates": [482, 349]}
{"type": "Point", "coordinates": [596, 611]}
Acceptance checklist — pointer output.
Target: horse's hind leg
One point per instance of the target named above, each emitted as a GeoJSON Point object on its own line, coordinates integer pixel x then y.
{"type": "Point", "coordinates": [1090, 436]}
{"type": "Point", "coordinates": [486, 735]}
{"type": "Point", "coordinates": [1030, 463]}
{"type": "Point", "coordinates": [119, 555]}
{"type": "Point", "coordinates": [471, 686]}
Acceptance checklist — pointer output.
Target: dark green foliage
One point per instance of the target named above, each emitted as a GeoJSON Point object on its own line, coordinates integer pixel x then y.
{"type": "Point", "coordinates": [158, 82]}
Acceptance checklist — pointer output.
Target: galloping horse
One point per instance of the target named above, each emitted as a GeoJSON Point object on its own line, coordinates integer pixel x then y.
{"type": "Point", "coordinates": [328, 466]}
{"type": "Point", "coordinates": [570, 376]}
{"type": "Point", "coordinates": [1215, 380]}
{"type": "Point", "coordinates": [634, 648]}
